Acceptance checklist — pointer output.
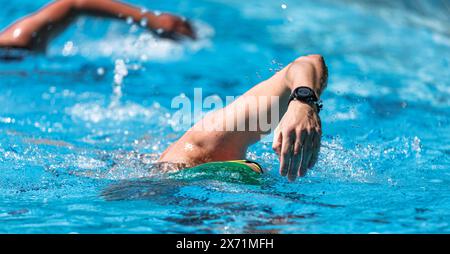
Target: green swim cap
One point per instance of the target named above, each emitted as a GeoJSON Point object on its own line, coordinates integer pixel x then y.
{"type": "Point", "coordinates": [239, 171]}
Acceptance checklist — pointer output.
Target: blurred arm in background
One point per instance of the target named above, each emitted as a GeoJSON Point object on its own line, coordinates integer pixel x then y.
{"type": "Point", "coordinates": [37, 29]}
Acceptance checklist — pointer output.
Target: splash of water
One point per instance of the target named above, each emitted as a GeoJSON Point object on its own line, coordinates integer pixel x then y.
{"type": "Point", "coordinates": [137, 44]}
{"type": "Point", "coordinates": [120, 72]}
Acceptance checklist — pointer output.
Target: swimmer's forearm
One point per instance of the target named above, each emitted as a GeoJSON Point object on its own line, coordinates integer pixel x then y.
{"type": "Point", "coordinates": [168, 23]}
{"type": "Point", "coordinates": [35, 30]}
{"type": "Point", "coordinates": [306, 77]}
{"type": "Point", "coordinates": [297, 136]}
{"type": "Point", "coordinates": [113, 9]}
{"type": "Point", "coordinates": [21, 33]}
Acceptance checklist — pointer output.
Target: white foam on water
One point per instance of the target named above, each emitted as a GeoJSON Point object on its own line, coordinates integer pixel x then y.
{"type": "Point", "coordinates": [95, 112]}
{"type": "Point", "coordinates": [356, 163]}
{"type": "Point", "coordinates": [84, 162]}
{"type": "Point", "coordinates": [143, 46]}
{"type": "Point", "coordinates": [7, 120]}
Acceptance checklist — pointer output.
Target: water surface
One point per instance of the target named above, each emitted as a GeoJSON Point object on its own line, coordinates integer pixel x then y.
{"type": "Point", "coordinates": [70, 146]}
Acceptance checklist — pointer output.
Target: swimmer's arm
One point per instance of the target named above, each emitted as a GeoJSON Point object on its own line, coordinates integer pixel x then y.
{"type": "Point", "coordinates": [299, 128]}
{"type": "Point", "coordinates": [167, 22]}
{"type": "Point", "coordinates": [24, 31]}
{"type": "Point", "coordinates": [298, 135]}
{"type": "Point", "coordinates": [34, 30]}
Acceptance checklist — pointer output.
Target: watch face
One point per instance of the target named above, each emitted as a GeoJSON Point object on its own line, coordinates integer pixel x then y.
{"type": "Point", "coordinates": [304, 92]}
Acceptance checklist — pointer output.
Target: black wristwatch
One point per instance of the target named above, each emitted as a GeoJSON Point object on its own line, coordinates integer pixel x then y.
{"type": "Point", "coordinates": [306, 95]}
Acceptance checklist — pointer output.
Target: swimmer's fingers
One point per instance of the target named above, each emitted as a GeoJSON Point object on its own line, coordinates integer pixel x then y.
{"type": "Point", "coordinates": [296, 156]}
{"type": "Point", "coordinates": [187, 30]}
{"type": "Point", "coordinates": [316, 149]}
{"type": "Point", "coordinates": [172, 26]}
{"type": "Point", "coordinates": [276, 144]}
{"type": "Point", "coordinates": [282, 147]}
{"type": "Point", "coordinates": [307, 153]}
{"type": "Point", "coordinates": [286, 153]}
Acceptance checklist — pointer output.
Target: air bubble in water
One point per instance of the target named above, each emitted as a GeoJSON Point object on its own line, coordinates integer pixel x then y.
{"type": "Point", "coordinates": [283, 6]}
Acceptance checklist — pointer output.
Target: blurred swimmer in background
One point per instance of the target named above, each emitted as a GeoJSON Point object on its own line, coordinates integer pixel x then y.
{"type": "Point", "coordinates": [35, 31]}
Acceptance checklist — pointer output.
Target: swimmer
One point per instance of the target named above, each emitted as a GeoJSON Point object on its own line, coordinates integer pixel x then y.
{"type": "Point", "coordinates": [296, 139]}
{"type": "Point", "coordinates": [34, 31]}
{"type": "Point", "coordinates": [297, 136]}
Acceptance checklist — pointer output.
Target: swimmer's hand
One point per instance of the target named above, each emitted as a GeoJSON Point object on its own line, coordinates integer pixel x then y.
{"type": "Point", "coordinates": [297, 136]}
{"type": "Point", "coordinates": [297, 140]}
{"type": "Point", "coordinates": [171, 25]}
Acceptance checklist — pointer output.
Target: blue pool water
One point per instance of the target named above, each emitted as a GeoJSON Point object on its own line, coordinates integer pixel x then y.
{"type": "Point", "coordinates": [70, 146]}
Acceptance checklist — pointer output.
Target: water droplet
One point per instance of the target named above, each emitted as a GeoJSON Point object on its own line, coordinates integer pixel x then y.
{"type": "Point", "coordinates": [416, 146]}
{"type": "Point", "coordinates": [144, 57]}
{"type": "Point", "coordinates": [66, 93]}
{"type": "Point", "coordinates": [144, 22]}
{"type": "Point", "coordinates": [100, 71]}
{"type": "Point", "coordinates": [6, 120]}
{"type": "Point", "coordinates": [120, 71]}
{"type": "Point", "coordinates": [134, 28]}
{"type": "Point", "coordinates": [120, 68]}
{"type": "Point", "coordinates": [129, 20]}
{"type": "Point", "coordinates": [159, 31]}
{"type": "Point", "coordinates": [188, 147]}
{"type": "Point", "coordinates": [69, 49]}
